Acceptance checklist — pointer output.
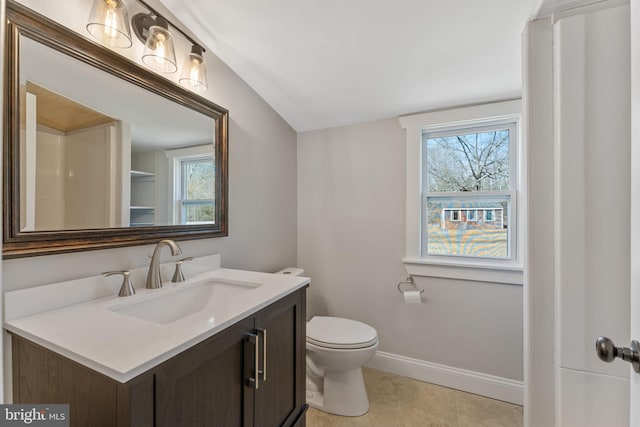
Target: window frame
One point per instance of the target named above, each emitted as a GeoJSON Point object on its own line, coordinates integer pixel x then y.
{"type": "Point", "coordinates": [508, 194]}
{"type": "Point", "coordinates": [473, 269]}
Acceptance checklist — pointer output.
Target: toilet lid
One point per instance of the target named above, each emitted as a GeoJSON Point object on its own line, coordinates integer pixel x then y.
{"type": "Point", "coordinates": [335, 332]}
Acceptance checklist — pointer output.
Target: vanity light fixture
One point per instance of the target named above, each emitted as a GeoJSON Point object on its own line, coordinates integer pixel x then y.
{"type": "Point", "coordinates": [194, 72]}
{"type": "Point", "coordinates": [159, 53]}
{"type": "Point", "coordinates": [109, 23]}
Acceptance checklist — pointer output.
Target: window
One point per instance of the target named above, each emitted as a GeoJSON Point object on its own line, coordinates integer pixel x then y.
{"type": "Point", "coordinates": [489, 215]}
{"type": "Point", "coordinates": [468, 170]}
{"type": "Point", "coordinates": [463, 181]}
{"type": "Point", "coordinates": [193, 194]}
{"type": "Point", "coordinates": [196, 201]}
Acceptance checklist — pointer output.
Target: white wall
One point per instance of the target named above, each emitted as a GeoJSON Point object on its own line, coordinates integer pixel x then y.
{"type": "Point", "coordinates": [262, 186]}
{"type": "Point", "coordinates": [351, 216]}
{"type": "Point", "coordinates": [49, 185]}
{"type": "Point", "coordinates": [89, 178]}
{"type": "Point", "coordinates": [76, 179]}
{"type": "Point", "coordinates": [537, 104]}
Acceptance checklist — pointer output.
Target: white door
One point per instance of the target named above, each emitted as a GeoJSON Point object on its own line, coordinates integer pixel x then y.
{"type": "Point", "coordinates": [631, 351]}
{"type": "Point", "coordinates": [583, 281]}
{"type": "Point", "coordinates": [593, 215]}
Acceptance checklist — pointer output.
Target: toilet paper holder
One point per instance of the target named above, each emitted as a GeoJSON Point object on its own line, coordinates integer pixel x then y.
{"type": "Point", "coordinates": [411, 283]}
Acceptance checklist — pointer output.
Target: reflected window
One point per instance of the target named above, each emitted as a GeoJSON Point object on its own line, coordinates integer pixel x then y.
{"type": "Point", "coordinates": [193, 172]}
{"type": "Point", "coordinates": [196, 190]}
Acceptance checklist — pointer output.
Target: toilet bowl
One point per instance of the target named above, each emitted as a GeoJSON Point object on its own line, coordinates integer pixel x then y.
{"type": "Point", "coordinates": [336, 350]}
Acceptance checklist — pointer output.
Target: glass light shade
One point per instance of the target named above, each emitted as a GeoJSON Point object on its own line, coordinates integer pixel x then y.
{"type": "Point", "coordinates": [109, 23]}
{"type": "Point", "coordinates": [194, 72]}
{"type": "Point", "coordinates": [159, 54]}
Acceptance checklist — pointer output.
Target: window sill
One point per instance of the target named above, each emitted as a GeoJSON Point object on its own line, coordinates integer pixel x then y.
{"type": "Point", "coordinates": [507, 273]}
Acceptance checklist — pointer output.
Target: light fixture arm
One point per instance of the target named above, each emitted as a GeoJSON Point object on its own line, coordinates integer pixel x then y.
{"type": "Point", "coordinates": [142, 21]}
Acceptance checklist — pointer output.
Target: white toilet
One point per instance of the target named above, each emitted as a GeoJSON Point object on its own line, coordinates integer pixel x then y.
{"type": "Point", "coordinates": [336, 350]}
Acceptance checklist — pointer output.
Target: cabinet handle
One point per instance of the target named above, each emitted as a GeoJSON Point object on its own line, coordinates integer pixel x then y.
{"type": "Point", "coordinates": [255, 340]}
{"type": "Point", "coordinates": [264, 353]}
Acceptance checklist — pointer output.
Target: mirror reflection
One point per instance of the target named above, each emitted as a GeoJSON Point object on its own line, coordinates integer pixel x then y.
{"type": "Point", "coordinates": [99, 152]}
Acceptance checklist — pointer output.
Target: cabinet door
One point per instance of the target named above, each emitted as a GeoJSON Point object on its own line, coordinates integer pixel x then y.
{"type": "Point", "coordinates": [41, 376]}
{"type": "Point", "coordinates": [280, 397]}
{"type": "Point", "coordinates": [207, 384]}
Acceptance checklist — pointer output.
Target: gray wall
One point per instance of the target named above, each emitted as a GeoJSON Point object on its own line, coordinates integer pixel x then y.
{"type": "Point", "coordinates": [351, 215]}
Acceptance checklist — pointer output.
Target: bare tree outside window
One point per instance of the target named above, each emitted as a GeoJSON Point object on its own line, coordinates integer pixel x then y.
{"type": "Point", "coordinates": [468, 162]}
{"type": "Point", "coordinates": [199, 179]}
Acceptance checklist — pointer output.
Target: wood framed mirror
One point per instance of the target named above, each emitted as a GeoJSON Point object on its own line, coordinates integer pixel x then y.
{"type": "Point", "coordinates": [99, 152]}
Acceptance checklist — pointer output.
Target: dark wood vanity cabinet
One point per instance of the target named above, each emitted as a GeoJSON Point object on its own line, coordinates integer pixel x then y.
{"type": "Point", "coordinates": [281, 386]}
{"type": "Point", "coordinates": [204, 385]}
{"type": "Point", "coordinates": [211, 384]}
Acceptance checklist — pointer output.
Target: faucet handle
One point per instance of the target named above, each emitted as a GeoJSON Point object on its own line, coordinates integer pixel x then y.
{"type": "Point", "coordinates": [178, 275]}
{"type": "Point", "coordinates": [127, 287]}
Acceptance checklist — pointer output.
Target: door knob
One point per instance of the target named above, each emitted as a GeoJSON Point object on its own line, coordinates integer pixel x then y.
{"type": "Point", "coordinates": [607, 352]}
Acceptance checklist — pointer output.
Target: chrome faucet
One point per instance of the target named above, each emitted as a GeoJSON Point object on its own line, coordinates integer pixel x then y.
{"type": "Point", "coordinates": [154, 280]}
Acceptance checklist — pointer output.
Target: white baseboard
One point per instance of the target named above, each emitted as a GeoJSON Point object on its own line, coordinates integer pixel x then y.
{"type": "Point", "coordinates": [460, 379]}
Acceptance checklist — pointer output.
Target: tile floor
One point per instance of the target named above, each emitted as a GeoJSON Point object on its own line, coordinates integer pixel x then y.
{"type": "Point", "coordinates": [396, 401]}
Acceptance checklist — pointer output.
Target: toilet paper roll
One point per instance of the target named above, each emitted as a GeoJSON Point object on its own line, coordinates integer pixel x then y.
{"type": "Point", "coordinates": [412, 297]}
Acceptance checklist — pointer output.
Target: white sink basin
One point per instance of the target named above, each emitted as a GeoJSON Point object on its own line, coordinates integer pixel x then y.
{"type": "Point", "coordinates": [175, 304]}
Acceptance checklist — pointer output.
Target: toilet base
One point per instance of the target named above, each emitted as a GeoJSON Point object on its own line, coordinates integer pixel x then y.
{"type": "Point", "coordinates": [343, 393]}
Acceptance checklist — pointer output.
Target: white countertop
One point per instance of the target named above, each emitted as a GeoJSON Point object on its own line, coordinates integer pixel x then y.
{"type": "Point", "coordinates": [121, 346]}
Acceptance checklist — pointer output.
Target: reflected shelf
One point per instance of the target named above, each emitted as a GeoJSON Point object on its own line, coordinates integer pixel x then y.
{"type": "Point", "coordinates": [142, 175]}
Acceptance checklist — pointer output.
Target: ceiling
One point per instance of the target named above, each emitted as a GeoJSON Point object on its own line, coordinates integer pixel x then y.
{"type": "Point", "coordinates": [555, 6]}
{"type": "Point", "coordinates": [327, 63]}
{"type": "Point", "coordinates": [58, 112]}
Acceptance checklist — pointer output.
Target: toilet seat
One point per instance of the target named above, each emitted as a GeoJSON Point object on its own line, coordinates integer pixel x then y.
{"type": "Point", "coordinates": [339, 333]}
{"type": "Point", "coordinates": [354, 346]}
